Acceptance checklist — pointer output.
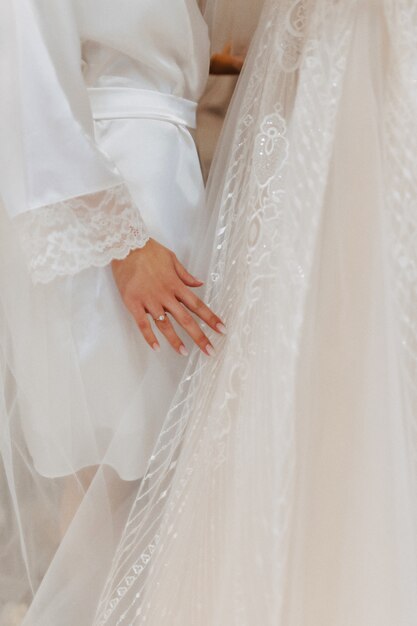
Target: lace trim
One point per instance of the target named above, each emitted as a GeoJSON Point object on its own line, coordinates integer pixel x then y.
{"type": "Point", "coordinates": [87, 231]}
{"type": "Point", "coordinates": [263, 231]}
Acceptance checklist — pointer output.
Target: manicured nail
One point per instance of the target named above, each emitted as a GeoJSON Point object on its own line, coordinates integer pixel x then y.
{"type": "Point", "coordinates": [183, 350]}
{"type": "Point", "coordinates": [210, 350]}
{"type": "Point", "coordinates": [221, 328]}
{"type": "Point", "coordinates": [156, 347]}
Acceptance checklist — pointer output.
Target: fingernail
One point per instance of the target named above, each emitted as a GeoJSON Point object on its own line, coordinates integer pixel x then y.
{"type": "Point", "coordinates": [221, 328]}
{"type": "Point", "coordinates": [156, 347]}
{"type": "Point", "coordinates": [210, 350]}
{"type": "Point", "coordinates": [183, 350]}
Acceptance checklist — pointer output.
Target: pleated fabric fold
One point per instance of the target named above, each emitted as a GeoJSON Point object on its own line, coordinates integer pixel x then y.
{"type": "Point", "coordinates": [282, 488]}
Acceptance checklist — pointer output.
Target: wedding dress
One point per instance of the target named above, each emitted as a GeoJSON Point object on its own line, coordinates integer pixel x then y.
{"type": "Point", "coordinates": [96, 155]}
{"type": "Point", "coordinates": [282, 490]}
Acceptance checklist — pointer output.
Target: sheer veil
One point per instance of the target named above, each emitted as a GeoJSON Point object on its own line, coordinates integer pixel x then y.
{"type": "Point", "coordinates": [218, 531]}
{"type": "Point", "coordinates": [215, 533]}
{"type": "Point", "coordinates": [58, 535]}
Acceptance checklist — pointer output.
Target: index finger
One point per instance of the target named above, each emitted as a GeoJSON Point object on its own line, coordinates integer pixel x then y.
{"type": "Point", "coordinates": [199, 308]}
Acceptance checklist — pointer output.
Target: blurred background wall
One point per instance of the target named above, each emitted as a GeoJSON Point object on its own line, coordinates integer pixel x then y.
{"type": "Point", "coordinates": [230, 22]}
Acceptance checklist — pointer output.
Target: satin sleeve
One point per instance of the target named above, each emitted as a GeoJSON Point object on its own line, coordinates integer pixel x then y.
{"type": "Point", "coordinates": [69, 203]}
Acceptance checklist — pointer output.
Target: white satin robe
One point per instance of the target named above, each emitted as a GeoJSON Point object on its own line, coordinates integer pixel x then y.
{"type": "Point", "coordinates": [96, 155]}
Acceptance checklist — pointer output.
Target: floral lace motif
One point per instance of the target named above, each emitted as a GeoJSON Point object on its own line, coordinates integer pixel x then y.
{"type": "Point", "coordinates": [194, 500]}
{"type": "Point", "coordinates": [291, 44]}
{"type": "Point", "coordinates": [87, 231]}
{"type": "Point", "coordinates": [285, 123]}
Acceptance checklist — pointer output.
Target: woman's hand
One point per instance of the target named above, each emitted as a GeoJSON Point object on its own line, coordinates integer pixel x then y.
{"type": "Point", "coordinates": [153, 282]}
{"type": "Point", "coordinates": [225, 62]}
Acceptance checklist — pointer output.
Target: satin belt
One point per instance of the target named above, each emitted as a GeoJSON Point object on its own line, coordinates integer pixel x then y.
{"type": "Point", "coordinates": [108, 103]}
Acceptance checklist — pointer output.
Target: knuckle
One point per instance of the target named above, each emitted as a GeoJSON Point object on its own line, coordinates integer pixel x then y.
{"type": "Point", "coordinates": [167, 329]}
{"type": "Point", "coordinates": [213, 319]}
{"type": "Point", "coordinates": [167, 293]}
{"type": "Point", "coordinates": [198, 304]}
{"type": "Point", "coordinates": [202, 341]}
{"type": "Point", "coordinates": [186, 319]}
{"type": "Point", "coordinates": [143, 323]}
{"type": "Point", "coordinates": [175, 341]}
{"type": "Point", "coordinates": [183, 293]}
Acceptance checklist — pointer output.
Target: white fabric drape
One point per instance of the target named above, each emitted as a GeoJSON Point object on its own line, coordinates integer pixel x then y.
{"type": "Point", "coordinates": [282, 490]}
{"type": "Point", "coordinates": [95, 116]}
{"type": "Point", "coordinates": [283, 487]}
{"type": "Point", "coordinates": [51, 166]}
{"type": "Point", "coordinates": [50, 161]}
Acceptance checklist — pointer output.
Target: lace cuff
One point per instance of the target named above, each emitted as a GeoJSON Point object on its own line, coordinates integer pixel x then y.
{"type": "Point", "coordinates": [92, 230]}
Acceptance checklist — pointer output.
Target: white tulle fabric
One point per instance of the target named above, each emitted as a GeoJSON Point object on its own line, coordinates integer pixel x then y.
{"type": "Point", "coordinates": [78, 384]}
{"type": "Point", "coordinates": [283, 487]}
{"type": "Point", "coordinates": [88, 231]}
{"type": "Point", "coordinates": [282, 490]}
